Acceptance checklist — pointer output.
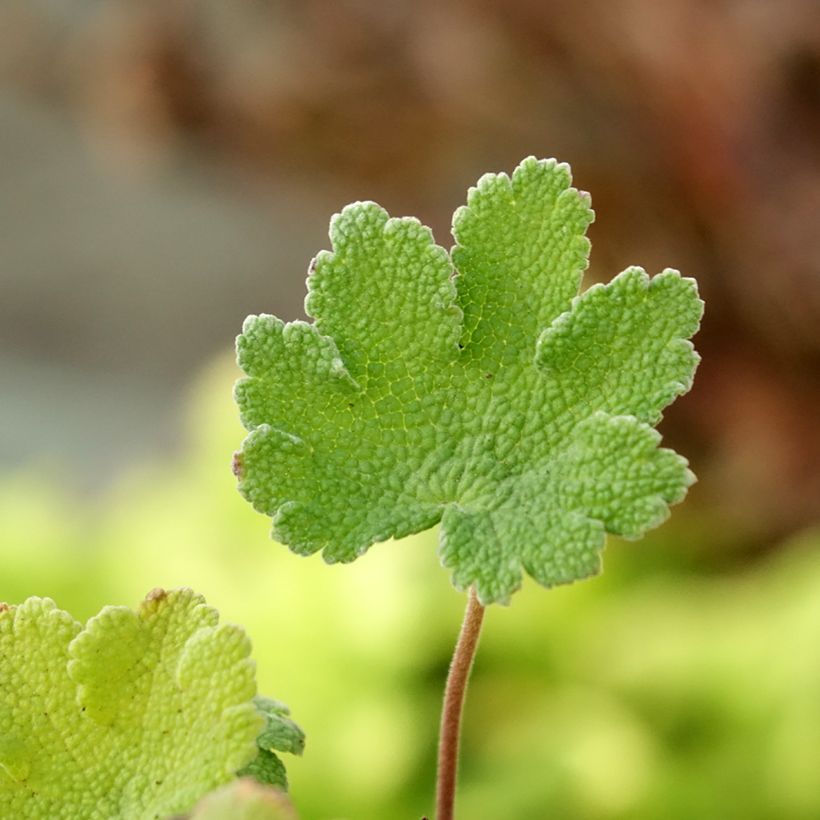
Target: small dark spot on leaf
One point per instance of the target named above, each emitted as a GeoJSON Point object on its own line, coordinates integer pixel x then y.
{"type": "Point", "coordinates": [236, 464]}
{"type": "Point", "coordinates": [488, 375]}
{"type": "Point", "coordinates": [156, 594]}
{"type": "Point", "coordinates": [4, 607]}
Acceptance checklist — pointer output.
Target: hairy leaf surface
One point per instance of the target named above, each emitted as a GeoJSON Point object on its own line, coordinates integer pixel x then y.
{"type": "Point", "coordinates": [476, 389]}
{"type": "Point", "coordinates": [137, 714]}
{"type": "Point", "coordinates": [279, 734]}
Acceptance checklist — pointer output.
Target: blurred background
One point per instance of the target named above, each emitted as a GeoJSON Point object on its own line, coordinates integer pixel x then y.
{"type": "Point", "coordinates": [168, 167]}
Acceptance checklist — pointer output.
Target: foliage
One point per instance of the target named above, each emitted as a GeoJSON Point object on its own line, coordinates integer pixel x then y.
{"type": "Point", "coordinates": [137, 714]}
{"type": "Point", "coordinates": [496, 401]}
{"type": "Point", "coordinates": [280, 734]}
{"type": "Point", "coordinates": [690, 689]}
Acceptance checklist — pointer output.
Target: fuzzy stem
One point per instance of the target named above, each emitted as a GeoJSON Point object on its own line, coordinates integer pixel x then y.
{"type": "Point", "coordinates": [453, 702]}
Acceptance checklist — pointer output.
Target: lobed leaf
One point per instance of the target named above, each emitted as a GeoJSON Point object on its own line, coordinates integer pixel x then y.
{"type": "Point", "coordinates": [137, 714]}
{"type": "Point", "coordinates": [279, 734]}
{"type": "Point", "coordinates": [478, 390]}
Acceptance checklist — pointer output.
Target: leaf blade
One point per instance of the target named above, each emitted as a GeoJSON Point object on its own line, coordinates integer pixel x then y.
{"type": "Point", "coordinates": [137, 714]}
{"type": "Point", "coordinates": [480, 441]}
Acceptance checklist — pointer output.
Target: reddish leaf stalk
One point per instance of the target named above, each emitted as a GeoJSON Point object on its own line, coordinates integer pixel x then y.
{"type": "Point", "coordinates": [454, 693]}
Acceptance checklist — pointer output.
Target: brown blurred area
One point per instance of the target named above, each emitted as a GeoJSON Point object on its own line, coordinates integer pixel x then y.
{"type": "Point", "coordinates": [243, 125]}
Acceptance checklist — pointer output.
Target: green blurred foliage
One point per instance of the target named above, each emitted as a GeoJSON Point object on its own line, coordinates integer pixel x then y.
{"type": "Point", "coordinates": [659, 690]}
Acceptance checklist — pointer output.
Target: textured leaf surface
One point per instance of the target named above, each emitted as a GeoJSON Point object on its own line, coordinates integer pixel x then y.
{"type": "Point", "coordinates": [136, 715]}
{"type": "Point", "coordinates": [497, 400]}
{"type": "Point", "coordinates": [279, 734]}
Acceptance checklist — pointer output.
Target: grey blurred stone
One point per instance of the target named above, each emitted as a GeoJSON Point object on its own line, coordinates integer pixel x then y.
{"type": "Point", "coordinates": [115, 285]}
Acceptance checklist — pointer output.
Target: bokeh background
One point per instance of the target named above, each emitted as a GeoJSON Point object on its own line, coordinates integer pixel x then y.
{"type": "Point", "coordinates": [169, 166]}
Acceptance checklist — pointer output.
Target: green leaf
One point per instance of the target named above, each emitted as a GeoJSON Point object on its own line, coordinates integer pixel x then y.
{"type": "Point", "coordinates": [244, 800]}
{"type": "Point", "coordinates": [280, 734]}
{"type": "Point", "coordinates": [137, 714]}
{"type": "Point", "coordinates": [267, 768]}
{"type": "Point", "coordinates": [497, 400]}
